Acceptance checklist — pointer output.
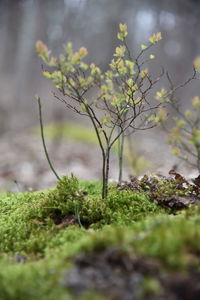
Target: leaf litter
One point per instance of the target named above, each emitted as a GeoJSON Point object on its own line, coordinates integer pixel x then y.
{"type": "Point", "coordinates": [174, 192]}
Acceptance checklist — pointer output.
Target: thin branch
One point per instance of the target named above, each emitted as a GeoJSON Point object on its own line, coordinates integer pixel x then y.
{"type": "Point", "coordinates": [43, 139]}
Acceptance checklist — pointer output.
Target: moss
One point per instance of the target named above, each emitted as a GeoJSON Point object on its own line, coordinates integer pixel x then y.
{"type": "Point", "coordinates": [14, 226]}
{"type": "Point", "coordinates": [121, 207]}
{"type": "Point", "coordinates": [125, 207]}
{"type": "Point", "coordinates": [151, 286]}
{"type": "Point", "coordinates": [192, 211]}
{"type": "Point", "coordinates": [36, 218]}
{"type": "Point", "coordinates": [91, 295]}
{"type": "Point", "coordinates": [38, 280]}
{"type": "Point", "coordinates": [22, 225]}
{"type": "Point", "coordinates": [41, 279]}
{"type": "Point", "coordinates": [93, 188]}
{"type": "Point", "coordinates": [27, 224]}
{"type": "Point", "coordinates": [172, 240]}
{"type": "Point", "coordinates": [125, 220]}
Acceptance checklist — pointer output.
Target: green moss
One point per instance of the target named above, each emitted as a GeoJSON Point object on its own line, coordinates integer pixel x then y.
{"type": "Point", "coordinates": [125, 220]}
{"type": "Point", "coordinates": [151, 286]}
{"type": "Point", "coordinates": [121, 207]}
{"type": "Point", "coordinates": [35, 217]}
{"type": "Point", "coordinates": [23, 227]}
{"type": "Point", "coordinates": [192, 211]}
{"type": "Point", "coordinates": [125, 207]}
{"type": "Point", "coordinates": [35, 280]}
{"type": "Point", "coordinates": [93, 188]}
{"type": "Point", "coordinates": [28, 224]}
{"type": "Point", "coordinates": [173, 241]}
{"type": "Point", "coordinates": [92, 295]}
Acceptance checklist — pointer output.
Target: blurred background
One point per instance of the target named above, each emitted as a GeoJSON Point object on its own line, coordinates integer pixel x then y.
{"type": "Point", "coordinates": [93, 24]}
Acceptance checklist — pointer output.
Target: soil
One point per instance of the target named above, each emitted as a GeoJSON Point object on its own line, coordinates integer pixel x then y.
{"type": "Point", "coordinates": [119, 275]}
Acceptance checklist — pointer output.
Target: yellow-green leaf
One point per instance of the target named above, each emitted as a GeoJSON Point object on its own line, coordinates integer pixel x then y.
{"type": "Point", "coordinates": [143, 47]}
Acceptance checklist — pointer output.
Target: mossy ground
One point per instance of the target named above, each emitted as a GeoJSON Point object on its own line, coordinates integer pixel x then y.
{"type": "Point", "coordinates": [41, 234]}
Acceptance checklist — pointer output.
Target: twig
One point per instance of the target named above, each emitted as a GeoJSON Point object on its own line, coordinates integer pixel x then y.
{"type": "Point", "coordinates": [43, 139]}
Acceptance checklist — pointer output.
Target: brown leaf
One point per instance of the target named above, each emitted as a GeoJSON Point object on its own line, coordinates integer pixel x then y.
{"type": "Point", "coordinates": [178, 176]}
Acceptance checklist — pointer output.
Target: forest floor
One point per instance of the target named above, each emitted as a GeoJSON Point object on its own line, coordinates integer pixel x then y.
{"type": "Point", "coordinates": [140, 243]}
{"type": "Point", "coordinates": [23, 165]}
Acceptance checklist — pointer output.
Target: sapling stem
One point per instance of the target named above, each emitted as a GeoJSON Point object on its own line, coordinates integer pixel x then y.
{"type": "Point", "coordinates": [43, 139]}
{"type": "Point", "coordinates": [120, 156]}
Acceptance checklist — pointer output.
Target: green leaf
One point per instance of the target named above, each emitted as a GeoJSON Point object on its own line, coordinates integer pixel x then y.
{"type": "Point", "coordinates": [151, 56]}
{"type": "Point", "coordinates": [143, 47]}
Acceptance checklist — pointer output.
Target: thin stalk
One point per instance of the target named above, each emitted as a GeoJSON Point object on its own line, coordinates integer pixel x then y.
{"type": "Point", "coordinates": [43, 139]}
{"type": "Point", "coordinates": [107, 170]}
{"type": "Point", "coordinates": [77, 214]}
{"type": "Point", "coordinates": [104, 178]}
{"type": "Point", "coordinates": [93, 118]}
{"type": "Point", "coordinates": [120, 156]}
{"type": "Point", "coordinates": [102, 152]}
